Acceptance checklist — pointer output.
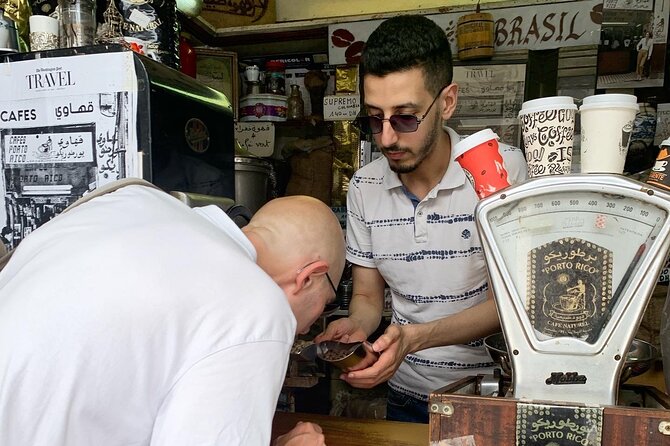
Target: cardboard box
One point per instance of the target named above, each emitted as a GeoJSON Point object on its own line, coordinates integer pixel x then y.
{"type": "Point", "coordinates": [231, 13]}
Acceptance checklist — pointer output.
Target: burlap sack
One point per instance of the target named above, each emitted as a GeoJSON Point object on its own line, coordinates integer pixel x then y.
{"type": "Point", "coordinates": [312, 172]}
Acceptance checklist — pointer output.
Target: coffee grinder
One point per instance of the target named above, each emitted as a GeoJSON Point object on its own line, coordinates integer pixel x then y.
{"type": "Point", "coordinates": [573, 260]}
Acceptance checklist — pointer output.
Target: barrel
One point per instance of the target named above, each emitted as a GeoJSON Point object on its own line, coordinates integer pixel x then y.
{"type": "Point", "coordinates": [474, 35]}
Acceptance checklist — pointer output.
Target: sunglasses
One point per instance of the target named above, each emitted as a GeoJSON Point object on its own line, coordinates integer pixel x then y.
{"type": "Point", "coordinates": [332, 285]}
{"type": "Point", "coordinates": [401, 123]}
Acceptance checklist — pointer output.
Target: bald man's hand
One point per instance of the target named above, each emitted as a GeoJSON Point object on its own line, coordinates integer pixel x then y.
{"type": "Point", "coordinates": [344, 330]}
{"type": "Point", "coordinates": [303, 434]}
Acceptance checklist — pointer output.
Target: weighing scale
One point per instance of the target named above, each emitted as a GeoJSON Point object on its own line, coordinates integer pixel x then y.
{"type": "Point", "coordinates": [572, 260]}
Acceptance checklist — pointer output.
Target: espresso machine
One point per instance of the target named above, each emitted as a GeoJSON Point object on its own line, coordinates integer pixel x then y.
{"type": "Point", "coordinates": [77, 118]}
{"type": "Point", "coordinates": [573, 261]}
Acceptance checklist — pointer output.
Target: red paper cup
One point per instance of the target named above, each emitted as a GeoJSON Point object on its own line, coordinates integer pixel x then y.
{"type": "Point", "coordinates": [480, 158]}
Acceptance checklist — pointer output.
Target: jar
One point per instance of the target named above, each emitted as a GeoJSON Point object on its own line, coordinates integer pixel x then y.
{"type": "Point", "coordinates": [274, 77]}
{"type": "Point", "coordinates": [78, 22]}
{"type": "Point", "coordinates": [296, 106]}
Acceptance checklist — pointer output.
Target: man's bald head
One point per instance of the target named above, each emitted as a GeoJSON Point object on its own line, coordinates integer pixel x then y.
{"type": "Point", "coordinates": [297, 240]}
{"type": "Point", "coordinates": [299, 226]}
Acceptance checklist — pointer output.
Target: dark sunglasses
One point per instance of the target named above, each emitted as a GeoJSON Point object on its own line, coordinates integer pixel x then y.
{"type": "Point", "coordinates": [400, 123]}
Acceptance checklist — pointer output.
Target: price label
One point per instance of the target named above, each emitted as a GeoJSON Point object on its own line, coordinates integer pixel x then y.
{"type": "Point", "coordinates": [341, 107]}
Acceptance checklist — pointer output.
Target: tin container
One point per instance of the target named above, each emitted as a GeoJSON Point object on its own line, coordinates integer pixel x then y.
{"type": "Point", "coordinates": [263, 107]}
{"type": "Point", "coordinates": [9, 36]}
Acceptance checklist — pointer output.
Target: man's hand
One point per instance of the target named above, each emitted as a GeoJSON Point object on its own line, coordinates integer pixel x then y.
{"type": "Point", "coordinates": [344, 330]}
{"type": "Point", "coordinates": [303, 434]}
{"type": "Point", "coordinates": [392, 347]}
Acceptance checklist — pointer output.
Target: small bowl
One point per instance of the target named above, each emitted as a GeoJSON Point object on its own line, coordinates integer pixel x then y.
{"type": "Point", "coordinates": [639, 359]}
{"type": "Point", "coordinates": [342, 355]}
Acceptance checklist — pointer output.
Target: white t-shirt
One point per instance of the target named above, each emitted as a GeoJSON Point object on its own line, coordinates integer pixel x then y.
{"type": "Point", "coordinates": [134, 320]}
{"type": "Point", "coordinates": [430, 256]}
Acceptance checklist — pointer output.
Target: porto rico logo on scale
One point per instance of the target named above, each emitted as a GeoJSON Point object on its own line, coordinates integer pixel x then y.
{"type": "Point", "coordinates": [569, 286]}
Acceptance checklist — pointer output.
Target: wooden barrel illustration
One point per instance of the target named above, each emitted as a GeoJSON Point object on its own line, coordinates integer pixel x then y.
{"type": "Point", "coordinates": [474, 35]}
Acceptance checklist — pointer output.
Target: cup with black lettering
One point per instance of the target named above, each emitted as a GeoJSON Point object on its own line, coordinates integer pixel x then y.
{"type": "Point", "coordinates": [606, 123]}
{"type": "Point", "coordinates": [548, 130]}
{"type": "Point", "coordinates": [43, 32]}
{"type": "Point", "coordinates": [479, 156]}
{"type": "Point", "coordinates": [660, 173]}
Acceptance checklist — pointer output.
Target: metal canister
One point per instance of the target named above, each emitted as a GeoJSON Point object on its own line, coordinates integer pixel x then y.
{"type": "Point", "coordinates": [660, 173]}
{"type": "Point", "coordinates": [344, 292]}
{"type": "Point", "coordinates": [9, 36]}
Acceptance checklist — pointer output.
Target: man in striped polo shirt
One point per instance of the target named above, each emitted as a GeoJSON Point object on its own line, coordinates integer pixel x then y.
{"type": "Point", "coordinates": [411, 226]}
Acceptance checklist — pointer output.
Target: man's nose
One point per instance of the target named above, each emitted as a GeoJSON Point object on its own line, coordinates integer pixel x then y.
{"type": "Point", "coordinates": [388, 136]}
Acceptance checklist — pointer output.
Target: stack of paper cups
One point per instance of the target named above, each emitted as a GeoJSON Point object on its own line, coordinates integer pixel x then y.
{"type": "Point", "coordinates": [548, 129]}
{"type": "Point", "coordinates": [607, 123]}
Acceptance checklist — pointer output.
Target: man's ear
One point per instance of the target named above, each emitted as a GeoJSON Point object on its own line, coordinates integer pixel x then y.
{"type": "Point", "coordinates": [305, 277]}
{"type": "Point", "coordinates": [448, 100]}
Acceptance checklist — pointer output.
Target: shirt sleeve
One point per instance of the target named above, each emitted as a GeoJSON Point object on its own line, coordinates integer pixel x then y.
{"type": "Point", "coordinates": [226, 398]}
{"type": "Point", "coordinates": [359, 240]}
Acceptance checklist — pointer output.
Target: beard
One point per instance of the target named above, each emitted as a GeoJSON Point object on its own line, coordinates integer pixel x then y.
{"type": "Point", "coordinates": [427, 146]}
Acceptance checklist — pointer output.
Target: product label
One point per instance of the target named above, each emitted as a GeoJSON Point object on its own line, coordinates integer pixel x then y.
{"type": "Point", "coordinates": [659, 173]}
{"type": "Point", "coordinates": [570, 283]}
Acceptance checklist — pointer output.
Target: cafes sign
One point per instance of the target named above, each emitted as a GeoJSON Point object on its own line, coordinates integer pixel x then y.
{"type": "Point", "coordinates": [533, 27]}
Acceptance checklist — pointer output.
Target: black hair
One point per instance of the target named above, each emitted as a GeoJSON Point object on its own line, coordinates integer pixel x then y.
{"type": "Point", "coordinates": [409, 41]}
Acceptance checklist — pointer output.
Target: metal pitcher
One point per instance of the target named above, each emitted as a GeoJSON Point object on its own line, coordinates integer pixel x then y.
{"type": "Point", "coordinates": [9, 36]}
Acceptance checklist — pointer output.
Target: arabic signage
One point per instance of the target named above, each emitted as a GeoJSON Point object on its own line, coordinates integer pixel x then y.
{"type": "Point", "coordinates": [227, 13]}
{"type": "Point", "coordinates": [543, 425]}
{"type": "Point", "coordinates": [256, 137]}
{"type": "Point", "coordinates": [647, 5]}
{"type": "Point", "coordinates": [67, 126]}
{"type": "Point", "coordinates": [533, 27]}
{"type": "Point", "coordinates": [489, 96]}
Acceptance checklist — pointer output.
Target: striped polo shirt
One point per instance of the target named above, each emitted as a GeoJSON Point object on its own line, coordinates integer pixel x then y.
{"type": "Point", "coordinates": [431, 257]}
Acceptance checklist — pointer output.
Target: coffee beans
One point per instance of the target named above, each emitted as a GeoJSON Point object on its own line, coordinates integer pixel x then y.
{"type": "Point", "coordinates": [334, 355]}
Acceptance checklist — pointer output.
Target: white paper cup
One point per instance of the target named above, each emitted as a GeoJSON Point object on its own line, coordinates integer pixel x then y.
{"type": "Point", "coordinates": [607, 124]}
{"type": "Point", "coordinates": [548, 129]}
{"type": "Point", "coordinates": [43, 32]}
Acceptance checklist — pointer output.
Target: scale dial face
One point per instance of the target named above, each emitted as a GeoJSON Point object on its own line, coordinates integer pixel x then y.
{"type": "Point", "coordinates": [571, 255]}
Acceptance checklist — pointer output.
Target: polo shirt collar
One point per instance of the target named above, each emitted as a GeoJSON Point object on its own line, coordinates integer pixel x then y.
{"type": "Point", "coordinates": [454, 176]}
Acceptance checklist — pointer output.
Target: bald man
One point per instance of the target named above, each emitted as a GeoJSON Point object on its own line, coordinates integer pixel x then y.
{"type": "Point", "coordinates": [135, 320]}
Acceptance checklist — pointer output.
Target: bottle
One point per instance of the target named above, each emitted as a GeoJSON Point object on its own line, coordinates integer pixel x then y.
{"type": "Point", "coordinates": [296, 106]}
{"type": "Point", "coordinates": [274, 77]}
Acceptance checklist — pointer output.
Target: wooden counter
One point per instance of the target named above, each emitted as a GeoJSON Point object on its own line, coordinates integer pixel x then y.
{"type": "Point", "coordinates": [342, 431]}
